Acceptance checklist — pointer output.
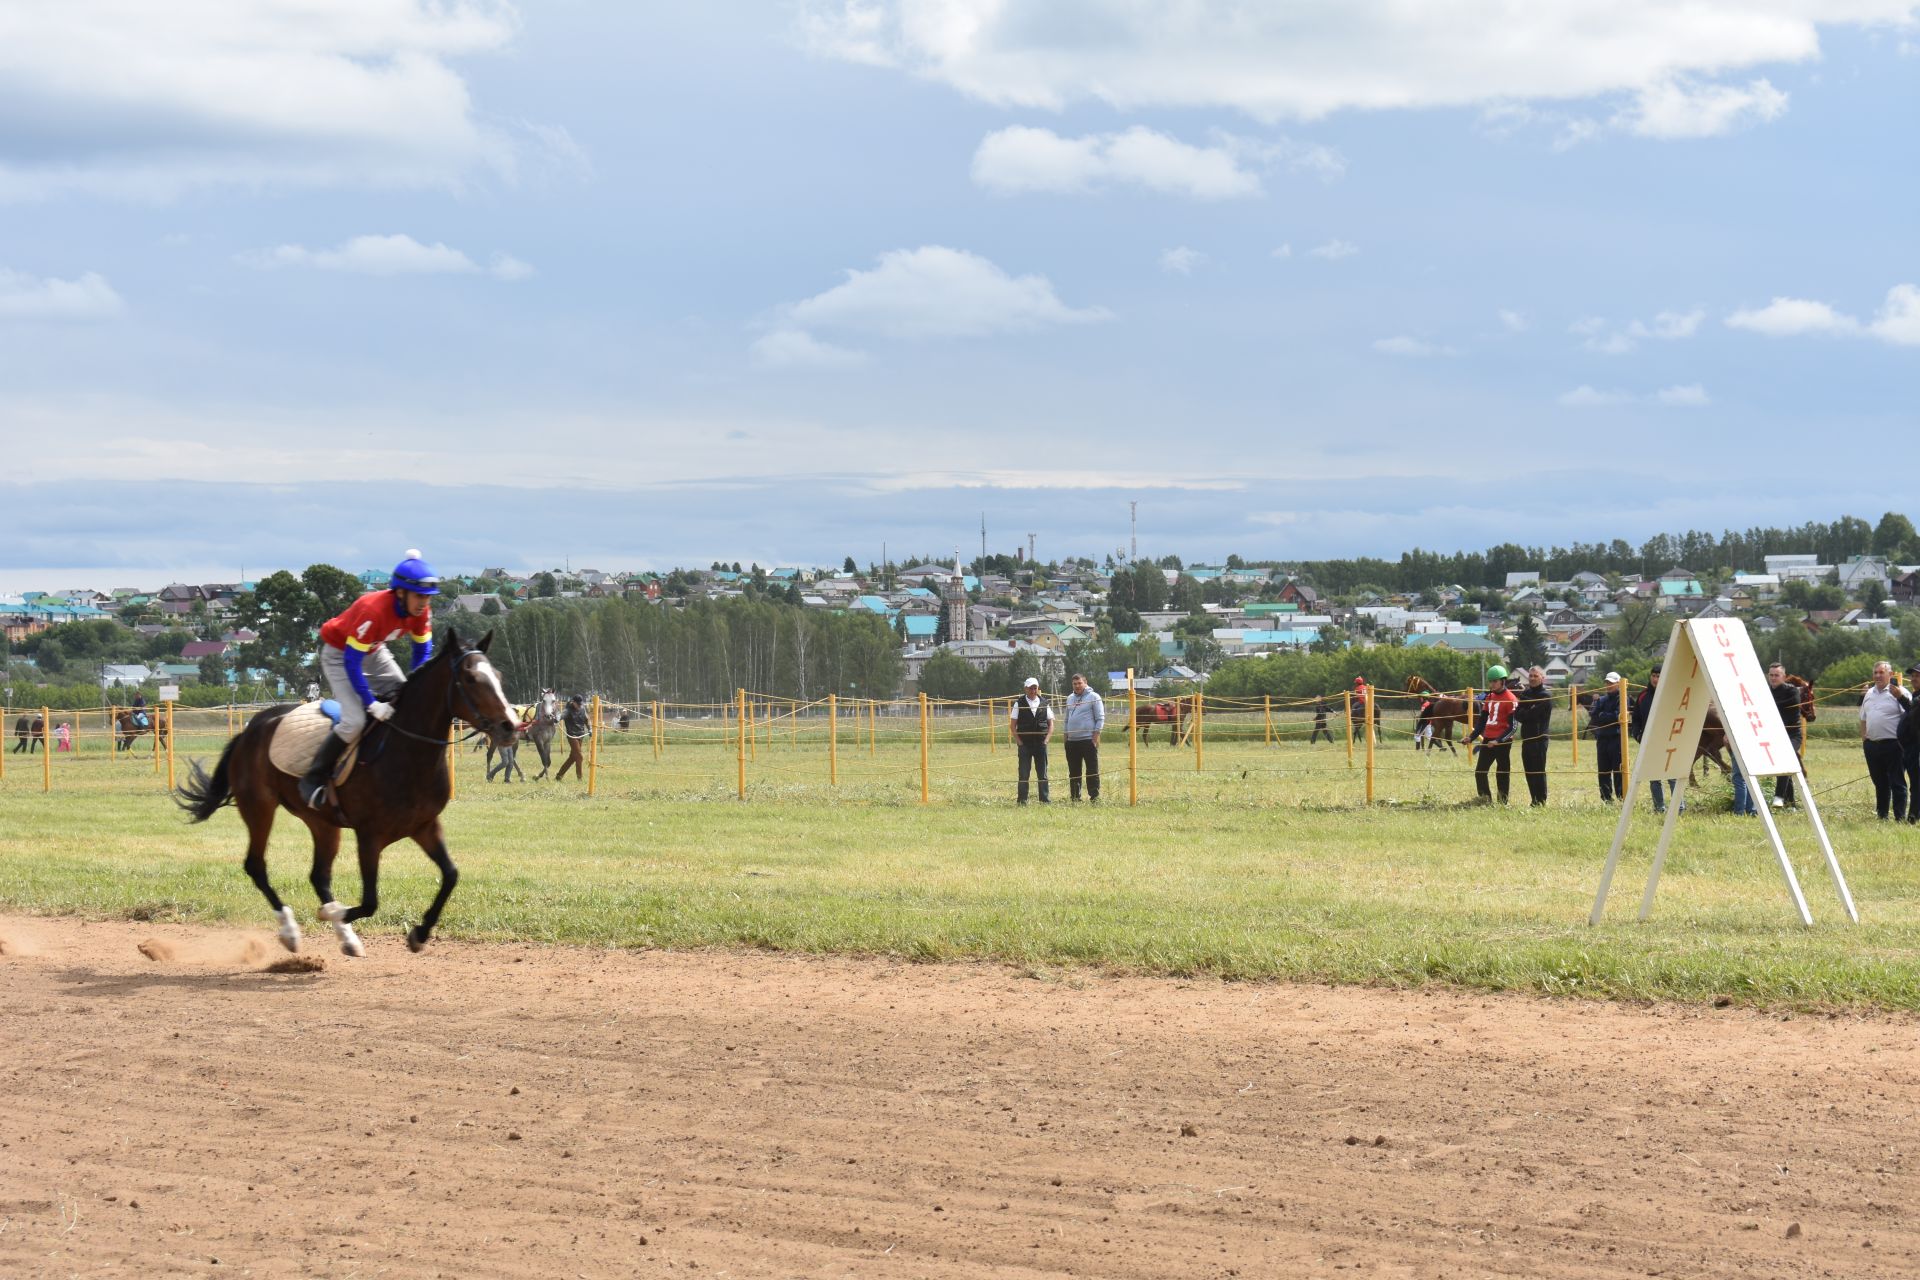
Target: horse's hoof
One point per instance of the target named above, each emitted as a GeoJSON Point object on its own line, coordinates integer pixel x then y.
{"type": "Point", "coordinates": [332, 912]}
{"type": "Point", "coordinates": [417, 939]}
{"type": "Point", "coordinates": [350, 943]}
{"type": "Point", "coordinates": [289, 933]}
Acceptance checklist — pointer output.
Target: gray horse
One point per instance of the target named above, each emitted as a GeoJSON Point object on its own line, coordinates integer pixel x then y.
{"type": "Point", "coordinates": [546, 717]}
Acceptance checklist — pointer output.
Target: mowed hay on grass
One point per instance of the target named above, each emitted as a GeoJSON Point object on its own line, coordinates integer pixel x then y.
{"type": "Point", "coordinates": [1262, 864]}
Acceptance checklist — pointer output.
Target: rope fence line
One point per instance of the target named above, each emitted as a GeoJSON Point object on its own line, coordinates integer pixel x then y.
{"type": "Point", "coordinates": [792, 741]}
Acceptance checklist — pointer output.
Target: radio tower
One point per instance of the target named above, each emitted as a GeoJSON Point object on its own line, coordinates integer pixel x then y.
{"type": "Point", "coordinates": [1133, 524]}
{"type": "Point", "coordinates": [1030, 559]}
{"type": "Point", "coordinates": [983, 542]}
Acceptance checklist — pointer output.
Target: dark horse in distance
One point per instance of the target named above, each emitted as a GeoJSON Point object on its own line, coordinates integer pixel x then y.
{"type": "Point", "coordinates": [1433, 727]}
{"type": "Point", "coordinates": [395, 791]}
{"type": "Point", "coordinates": [130, 725]}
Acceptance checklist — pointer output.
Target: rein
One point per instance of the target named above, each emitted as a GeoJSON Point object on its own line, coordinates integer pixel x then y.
{"type": "Point", "coordinates": [452, 683]}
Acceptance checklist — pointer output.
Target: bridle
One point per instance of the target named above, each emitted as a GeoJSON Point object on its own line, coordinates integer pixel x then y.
{"type": "Point", "coordinates": [481, 724]}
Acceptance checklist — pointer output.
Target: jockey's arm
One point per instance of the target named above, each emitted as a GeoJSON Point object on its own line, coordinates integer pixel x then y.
{"type": "Point", "coordinates": [354, 659]}
{"type": "Point", "coordinates": [422, 650]}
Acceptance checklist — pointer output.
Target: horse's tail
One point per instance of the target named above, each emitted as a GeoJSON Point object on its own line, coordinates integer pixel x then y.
{"type": "Point", "coordinates": [203, 796]}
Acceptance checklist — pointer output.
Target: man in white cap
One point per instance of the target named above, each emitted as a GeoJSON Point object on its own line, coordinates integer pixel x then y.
{"type": "Point", "coordinates": [1603, 725]}
{"type": "Point", "coordinates": [1031, 718]}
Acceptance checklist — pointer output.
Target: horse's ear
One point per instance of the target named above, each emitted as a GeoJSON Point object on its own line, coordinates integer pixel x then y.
{"type": "Point", "coordinates": [453, 640]}
{"type": "Point", "coordinates": [485, 640]}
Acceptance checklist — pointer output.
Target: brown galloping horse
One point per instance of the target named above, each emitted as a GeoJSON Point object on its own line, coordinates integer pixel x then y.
{"type": "Point", "coordinates": [1171, 712]}
{"type": "Point", "coordinates": [127, 727]}
{"type": "Point", "coordinates": [395, 792]}
{"type": "Point", "coordinates": [1442, 712]}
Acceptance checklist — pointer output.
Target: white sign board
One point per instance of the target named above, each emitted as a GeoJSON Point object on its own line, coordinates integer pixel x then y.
{"type": "Point", "coordinates": [169, 693]}
{"type": "Point", "coordinates": [1713, 660]}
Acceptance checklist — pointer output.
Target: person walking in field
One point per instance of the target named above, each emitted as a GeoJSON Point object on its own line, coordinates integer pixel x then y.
{"type": "Point", "coordinates": [573, 723]}
{"type": "Point", "coordinates": [1532, 716]}
{"type": "Point", "coordinates": [1086, 717]}
{"type": "Point", "coordinates": [63, 737]}
{"type": "Point", "coordinates": [1494, 729]}
{"type": "Point", "coordinates": [1031, 720]}
{"type": "Point", "coordinates": [1603, 726]}
{"type": "Point", "coordinates": [1320, 713]}
{"type": "Point", "coordinates": [358, 666]}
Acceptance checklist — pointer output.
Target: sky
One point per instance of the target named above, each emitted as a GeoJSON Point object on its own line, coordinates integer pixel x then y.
{"type": "Point", "coordinates": [631, 286]}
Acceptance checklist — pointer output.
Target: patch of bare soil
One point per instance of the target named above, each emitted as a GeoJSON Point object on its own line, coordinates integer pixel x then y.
{"type": "Point", "coordinates": [521, 1111]}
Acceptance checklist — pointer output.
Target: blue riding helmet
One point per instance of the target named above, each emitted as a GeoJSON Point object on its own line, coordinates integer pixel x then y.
{"type": "Point", "coordinates": [415, 574]}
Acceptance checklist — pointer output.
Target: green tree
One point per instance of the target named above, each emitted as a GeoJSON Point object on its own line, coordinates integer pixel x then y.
{"type": "Point", "coordinates": [285, 616]}
{"type": "Point", "coordinates": [1203, 654]}
{"type": "Point", "coordinates": [1527, 647]}
{"type": "Point", "coordinates": [490, 607]}
{"type": "Point", "coordinates": [946, 675]}
{"type": "Point", "coordinates": [545, 587]}
{"type": "Point", "coordinates": [1149, 588]}
{"type": "Point", "coordinates": [213, 670]}
{"type": "Point", "coordinates": [334, 588]}
{"type": "Point", "coordinates": [849, 568]}
{"type": "Point", "coordinates": [1187, 596]}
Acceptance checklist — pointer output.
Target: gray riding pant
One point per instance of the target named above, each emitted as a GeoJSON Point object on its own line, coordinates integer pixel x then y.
{"type": "Point", "coordinates": [383, 677]}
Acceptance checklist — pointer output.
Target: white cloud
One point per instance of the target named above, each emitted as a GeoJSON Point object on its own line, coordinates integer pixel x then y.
{"type": "Point", "coordinates": [797, 349]}
{"type": "Point", "coordinates": [395, 255]}
{"type": "Point", "coordinates": [25, 297]}
{"type": "Point", "coordinates": [1678, 109]}
{"type": "Point", "coordinates": [1691, 396]}
{"type": "Point", "coordinates": [1334, 250]}
{"type": "Point", "coordinates": [1309, 59]}
{"type": "Point", "coordinates": [936, 292]}
{"type": "Point", "coordinates": [1513, 321]}
{"type": "Point", "coordinates": [1024, 159]}
{"type": "Point", "coordinates": [1668, 326]}
{"type": "Point", "coordinates": [1401, 345]}
{"type": "Point", "coordinates": [1897, 322]}
{"type": "Point", "coordinates": [1284, 251]}
{"type": "Point", "coordinates": [148, 100]}
{"type": "Point", "coordinates": [1181, 260]}
{"type": "Point", "coordinates": [1787, 317]}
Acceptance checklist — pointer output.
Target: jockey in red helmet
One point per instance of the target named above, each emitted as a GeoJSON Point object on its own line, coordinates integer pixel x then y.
{"type": "Point", "coordinates": [359, 668]}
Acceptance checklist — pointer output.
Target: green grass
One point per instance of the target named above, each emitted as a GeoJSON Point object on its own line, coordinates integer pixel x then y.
{"type": "Point", "coordinates": [1261, 865]}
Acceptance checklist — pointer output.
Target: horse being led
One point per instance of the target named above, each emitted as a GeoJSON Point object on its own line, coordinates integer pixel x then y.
{"type": "Point", "coordinates": [32, 732]}
{"type": "Point", "coordinates": [396, 789]}
{"type": "Point", "coordinates": [546, 717]}
{"type": "Point", "coordinates": [129, 725]}
{"type": "Point", "coordinates": [1438, 714]}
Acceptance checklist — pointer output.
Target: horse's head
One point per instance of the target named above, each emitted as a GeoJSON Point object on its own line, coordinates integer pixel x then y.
{"type": "Point", "coordinates": [1418, 684]}
{"type": "Point", "coordinates": [476, 695]}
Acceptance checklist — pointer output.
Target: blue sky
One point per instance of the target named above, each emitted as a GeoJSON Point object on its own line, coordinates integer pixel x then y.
{"type": "Point", "coordinates": [631, 286]}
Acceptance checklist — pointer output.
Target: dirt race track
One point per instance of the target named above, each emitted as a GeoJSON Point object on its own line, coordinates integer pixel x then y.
{"type": "Point", "coordinates": [526, 1111]}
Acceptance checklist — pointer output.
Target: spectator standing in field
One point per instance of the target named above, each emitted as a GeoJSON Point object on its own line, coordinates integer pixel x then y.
{"type": "Point", "coordinates": [1032, 725]}
{"type": "Point", "coordinates": [573, 723]}
{"type": "Point", "coordinates": [63, 737]}
{"type": "Point", "coordinates": [1881, 708]}
{"type": "Point", "coordinates": [1637, 727]}
{"type": "Point", "coordinates": [1357, 714]}
{"type": "Point", "coordinates": [1086, 717]}
{"type": "Point", "coordinates": [1909, 738]}
{"type": "Point", "coordinates": [1603, 726]}
{"type": "Point", "coordinates": [1320, 711]}
{"type": "Point", "coordinates": [1532, 716]}
{"type": "Point", "coordinates": [1787, 697]}
{"type": "Point", "coordinates": [1494, 729]}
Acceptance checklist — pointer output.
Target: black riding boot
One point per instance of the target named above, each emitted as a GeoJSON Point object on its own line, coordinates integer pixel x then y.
{"type": "Point", "coordinates": [313, 787]}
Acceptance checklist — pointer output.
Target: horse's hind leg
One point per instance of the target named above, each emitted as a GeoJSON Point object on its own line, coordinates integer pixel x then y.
{"type": "Point", "coordinates": [259, 820]}
{"type": "Point", "coordinates": [326, 847]}
{"type": "Point", "coordinates": [435, 843]}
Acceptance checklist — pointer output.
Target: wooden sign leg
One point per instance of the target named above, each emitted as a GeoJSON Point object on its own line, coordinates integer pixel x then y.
{"type": "Point", "coordinates": [1826, 847]}
{"type": "Point", "coordinates": [1786, 867]}
{"type": "Point", "coordinates": [1613, 854]}
{"type": "Point", "coordinates": [1676, 793]}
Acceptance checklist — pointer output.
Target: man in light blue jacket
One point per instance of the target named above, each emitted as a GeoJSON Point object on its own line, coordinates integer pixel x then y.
{"type": "Point", "coordinates": [1086, 717]}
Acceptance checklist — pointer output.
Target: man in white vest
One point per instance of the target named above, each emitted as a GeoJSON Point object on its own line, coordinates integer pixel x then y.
{"type": "Point", "coordinates": [1031, 718]}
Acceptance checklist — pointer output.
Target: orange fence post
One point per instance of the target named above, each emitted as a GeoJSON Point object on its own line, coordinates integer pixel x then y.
{"type": "Point", "coordinates": [1626, 756]}
{"type": "Point", "coordinates": [1199, 731]}
{"type": "Point", "coordinates": [1348, 699]}
{"type": "Point", "coordinates": [1267, 702]}
{"type": "Point", "coordinates": [169, 707]}
{"type": "Point", "coordinates": [46, 750]}
{"type": "Point", "coordinates": [873, 725]}
{"type": "Point", "coordinates": [740, 743]}
{"type": "Point", "coordinates": [154, 718]}
{"type": "Point", "coordinates": [833, 740]}
{"type": "Point", "coordinates": [1370, 736]}
{"type": "Point", "coordinates": [1573, 710]}
{"type": "Point", "coordinates": [453, 755]}
{"type": "Point", "coordinates": [653, 723]}
{"type": "Point", "coordinates": [923, 748]}
{"type": "Point", "coordinates": [1133, 742]}
{"type": "Point", "coordinates": [593, 747]}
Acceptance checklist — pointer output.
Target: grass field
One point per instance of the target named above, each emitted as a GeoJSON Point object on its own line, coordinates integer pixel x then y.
{"type": "Point", "coordinates": [1261, 864]}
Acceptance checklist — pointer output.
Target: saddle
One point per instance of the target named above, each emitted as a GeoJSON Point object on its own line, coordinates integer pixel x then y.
{"type": "Point", "coordinates": [297, 738]}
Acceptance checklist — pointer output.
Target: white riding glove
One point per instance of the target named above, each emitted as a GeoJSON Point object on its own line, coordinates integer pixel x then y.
{"type": "Point", "coordinates": [380, 710]}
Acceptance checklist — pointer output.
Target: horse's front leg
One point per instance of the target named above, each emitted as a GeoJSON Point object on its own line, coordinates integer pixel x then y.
{"type": "Point", "coordinates": [326, 845]}
{"type": "Point", "coordinates": [435, 843]}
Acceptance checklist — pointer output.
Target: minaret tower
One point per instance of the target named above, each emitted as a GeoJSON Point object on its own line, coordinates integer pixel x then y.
{"type": "Point", "coordinates": [955, 597]}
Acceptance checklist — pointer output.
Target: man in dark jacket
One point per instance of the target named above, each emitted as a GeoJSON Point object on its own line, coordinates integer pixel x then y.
{"type": "Point", "coordinates": [1030, 718]}
{"type": "Point", "coordinates": [1637, 726]}
{"type": "Point", "coordinates": [1787, 697]}
{"type": "Point", "coordinates": [1909, 737]}
{"type": "Point", "coordinates": [573, 722]}
{"type": "Point", "coordinates": [1531, 718]}
{"type": "Point", "coordinates": [1603, 726]}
